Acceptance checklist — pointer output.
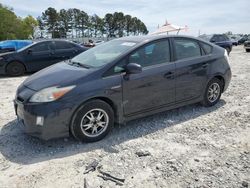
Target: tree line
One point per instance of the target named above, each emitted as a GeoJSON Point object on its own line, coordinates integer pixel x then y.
{"type": "Point", "coordinates": [74, 22]}
{"type": "Point", "coordinates": [14, 27]}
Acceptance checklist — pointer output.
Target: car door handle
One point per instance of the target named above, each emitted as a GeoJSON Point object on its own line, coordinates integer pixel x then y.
{"type": "Point", "coordinates": [169, 75]}
{"type": "Point", "coordinates": [204, 65]}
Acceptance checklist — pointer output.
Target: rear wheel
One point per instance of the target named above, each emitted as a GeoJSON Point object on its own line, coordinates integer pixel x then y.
{"type": "Point", "coordinates": [15, 69]}
{"type": "Point", "coordinates": [93, 121]}
{"type": "Point", "coordinates": [213, 92]}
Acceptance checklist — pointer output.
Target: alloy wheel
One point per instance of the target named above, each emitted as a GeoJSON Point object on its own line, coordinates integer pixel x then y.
{"type": "Point", "coordinates": [94, 122]}
{"type": "Point", "coordinates": [213, 92]}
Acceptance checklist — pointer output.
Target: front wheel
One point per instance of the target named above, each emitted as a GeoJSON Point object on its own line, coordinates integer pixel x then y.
{"type": "Point", "coordinates": [15, 69]}
{"type": "Point", "coordinates": [247, 50]}
{"type": "Point", "coordinates": [213, 92]}
{"type": "Point", "coordinates": [93, 121]}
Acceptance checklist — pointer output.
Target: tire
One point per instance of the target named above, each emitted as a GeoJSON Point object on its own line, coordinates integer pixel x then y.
{"type": "Point", "coordinates": [15, 69]}
{"type": "Point", "coordinates": [91, 128]}
{"type": "Point", "coordinates": [247, 50]}
{"type": "Point", "coordinates": [208, 99]}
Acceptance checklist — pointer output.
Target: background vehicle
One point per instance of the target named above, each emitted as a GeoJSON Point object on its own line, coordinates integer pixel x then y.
{"type": "Point", "coordinates": [38, 56]}
{"type": "Point", "coordinates": [98, 42]}
{"type": "Point", "coordinates": [118, 81]}
{"type": "Point", "coordinates": [219, 39]}
{"type": "Point", "coordinates": [234, 42]}
{"type": "Point", "coordinates": [247, 45]}
{"type": "Point", "coordinates": [243, 40]}
{"type": "Point", "coordinates": [13, 45]}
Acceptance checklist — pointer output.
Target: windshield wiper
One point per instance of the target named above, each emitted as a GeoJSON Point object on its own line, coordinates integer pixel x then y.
{"type": "Point", "coordinates": [78, 64]}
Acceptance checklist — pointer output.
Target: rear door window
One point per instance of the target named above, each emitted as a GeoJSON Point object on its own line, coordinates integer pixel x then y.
{"type": "Point", "coordinates": [207, 48]}
{"type": "Point", "coordinates": [186, 48]}
{"type": "Point", "coordinates": [61, 45]}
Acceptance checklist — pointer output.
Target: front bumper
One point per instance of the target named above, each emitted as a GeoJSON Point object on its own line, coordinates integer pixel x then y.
{"type": "Point", "coordinates": [247, 47]}
{"type": "Point", "coordinates": [56, 119]}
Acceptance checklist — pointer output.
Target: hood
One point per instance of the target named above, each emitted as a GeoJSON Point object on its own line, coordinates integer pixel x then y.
{"type": "Point", "coordinates": [7, 53]}
{"type": "Point", "coordinates": [60, 74]}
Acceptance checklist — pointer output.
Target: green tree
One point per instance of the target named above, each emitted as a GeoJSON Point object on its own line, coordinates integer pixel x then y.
{"type": "Point", "coordinates": [50, 18]}
{"type": "Point", "coordinates": [28, 26]}
{"type": "Point", "coordinates": [80, 24]}
{"type": "Point", "coordinates": [13, 27]}
{"type": "Point", "coordinates": [8, 23]}
{"type": "Point", "coordinates": [109, 25]}
{"type": "Point", "coordinates": [65, 19]}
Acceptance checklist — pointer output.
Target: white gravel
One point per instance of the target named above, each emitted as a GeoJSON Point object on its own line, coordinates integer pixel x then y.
{"type": "Point", "coordinates": [191, 146]}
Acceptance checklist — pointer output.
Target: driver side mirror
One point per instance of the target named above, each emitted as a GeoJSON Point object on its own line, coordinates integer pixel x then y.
{"type": "Point", "coordinates": [133, 68]}
{"type": "Point", "coordinates": [29, 51]}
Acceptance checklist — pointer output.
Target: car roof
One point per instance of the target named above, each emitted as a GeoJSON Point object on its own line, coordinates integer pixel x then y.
{"type": "Point", "coordinates": [52, 40]}
{"type": "Point", "coordinates": [147, 38]}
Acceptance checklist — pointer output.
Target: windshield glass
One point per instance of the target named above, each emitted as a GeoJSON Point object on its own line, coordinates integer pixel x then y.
{"type": "Point", "coordinates": [26, 47]}
{"type": "Point", "coordinates": [104, 53]}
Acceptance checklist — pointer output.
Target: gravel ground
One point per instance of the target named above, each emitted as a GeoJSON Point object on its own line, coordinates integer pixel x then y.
{"type": "Point", "coordinates": [192, 146]}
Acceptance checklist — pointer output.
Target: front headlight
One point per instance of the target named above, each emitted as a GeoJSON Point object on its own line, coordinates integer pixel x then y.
{"type": "Point", "coordinates": [50, 94]}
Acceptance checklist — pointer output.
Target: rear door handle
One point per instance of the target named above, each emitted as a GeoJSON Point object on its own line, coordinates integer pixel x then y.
{"type": "Point", "coordinates": [169, 75]}
{"type": "Point", "coordinates": [204, 65]}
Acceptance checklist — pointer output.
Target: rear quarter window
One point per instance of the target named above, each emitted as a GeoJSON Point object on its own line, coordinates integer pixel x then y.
{"type": "Point", "coordinates": [207, 48]}
{"type": "Point", "coordinates": [186, 48]}
{"type": "Point", "coordinates": [60, 45]}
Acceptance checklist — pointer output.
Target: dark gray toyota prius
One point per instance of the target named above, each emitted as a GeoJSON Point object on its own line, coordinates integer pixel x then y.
{"type": "Point", "coordinates": [118, 81]}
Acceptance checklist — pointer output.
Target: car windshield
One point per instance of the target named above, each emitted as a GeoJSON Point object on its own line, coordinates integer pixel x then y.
{"type": "Point", "coordinates": [26, 47]}
{"type": "Point", "coordinates": [103, 53]}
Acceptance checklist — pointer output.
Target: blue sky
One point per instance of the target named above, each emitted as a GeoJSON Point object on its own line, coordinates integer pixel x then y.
{"type": "Point", "coordinates": [208, 16]}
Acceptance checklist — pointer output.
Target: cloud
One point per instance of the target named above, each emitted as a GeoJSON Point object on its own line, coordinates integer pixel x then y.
{"type": "Point", "coordinates": [209, 16]}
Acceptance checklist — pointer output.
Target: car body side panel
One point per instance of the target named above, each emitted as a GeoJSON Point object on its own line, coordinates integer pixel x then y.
{"type": "Point", "coordinates": [191, 75]}
{"type": "Point", "coordinates": [153, 87]}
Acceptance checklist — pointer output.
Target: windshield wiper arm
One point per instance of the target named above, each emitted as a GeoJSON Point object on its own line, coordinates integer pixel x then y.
{"type": "Point", "coordinates": [79, 64]}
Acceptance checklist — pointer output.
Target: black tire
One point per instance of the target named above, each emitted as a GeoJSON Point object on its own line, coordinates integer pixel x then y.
{"type": "Point", "coordinates": [208, 102]}
{"type": "Point", "coordinates": [81, 115]}
{"type": "Point", "coordinates": [247, 50]}
{"type": "Point", "coordinates": [15, 69]}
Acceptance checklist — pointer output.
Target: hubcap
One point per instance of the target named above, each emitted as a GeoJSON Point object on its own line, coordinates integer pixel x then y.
{"type": "Point", "coordinates": [15, 70]}
{"type": "Point", "coordinates": [213, 92]}
{"type": "Point", "coordinates": [94, 122]}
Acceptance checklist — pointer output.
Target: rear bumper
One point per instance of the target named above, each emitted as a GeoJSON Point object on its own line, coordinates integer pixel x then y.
{"type": "Point", "coordinates": [227, 78]}
{"type": "Point", "coordinates": [56, 119]}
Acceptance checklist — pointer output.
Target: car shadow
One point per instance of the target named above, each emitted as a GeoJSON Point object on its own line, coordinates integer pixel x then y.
{"type": "Point", "coordinates": [20, 148]}
{"type": "Point", "coordinates": [2, 76]}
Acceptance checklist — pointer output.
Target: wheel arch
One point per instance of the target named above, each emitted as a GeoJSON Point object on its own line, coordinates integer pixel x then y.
{"type": "Point", "coordinates": [13, 62]}
{"type": "Point", "coordinates": [221, 78]}
{"type": "Point", "coordinates": [105, 99]}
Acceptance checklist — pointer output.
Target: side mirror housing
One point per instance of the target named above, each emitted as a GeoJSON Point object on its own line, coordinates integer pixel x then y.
{"type": "Point", "coordinates": [29, 51]}
{"type": "Point", "coordinates": [133, 68]}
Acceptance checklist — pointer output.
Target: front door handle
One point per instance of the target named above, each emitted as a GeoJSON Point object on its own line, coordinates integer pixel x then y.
{"type": "Point", "coordinates": [204, 65]}
{"type": "Point", "coordinates": [169, 75]}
